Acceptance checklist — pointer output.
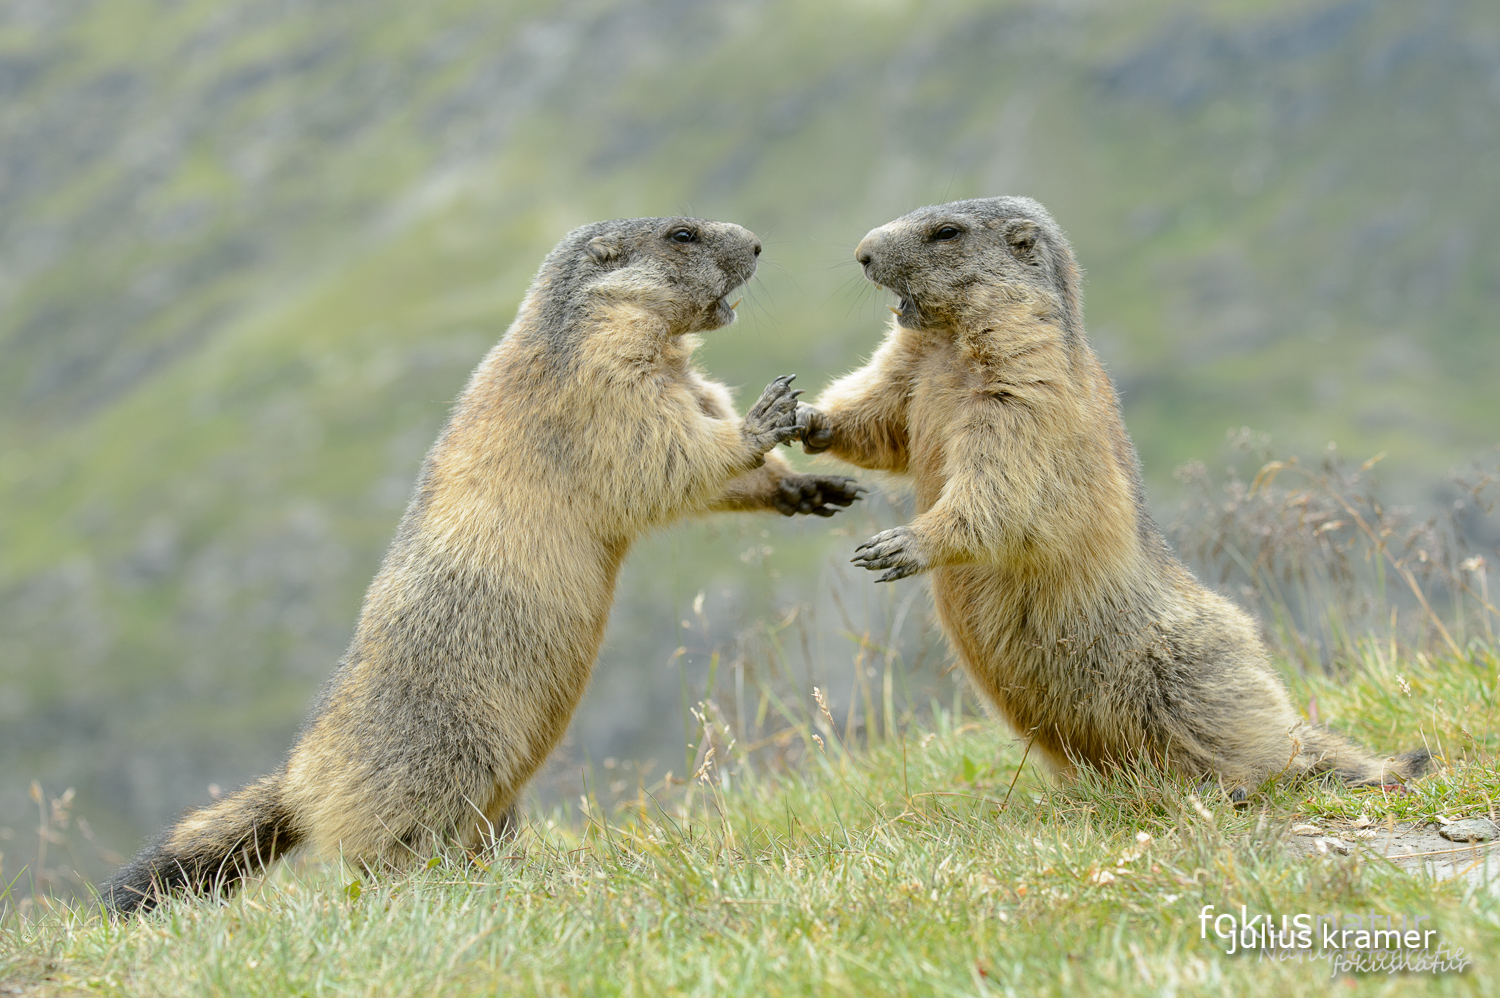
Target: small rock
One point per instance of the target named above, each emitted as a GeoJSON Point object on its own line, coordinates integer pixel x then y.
{"type": "Point", "coordinates": [1470, 830]}
{"type": "Point", "coordinates": [1328, 844]}
{"type": "Point", "coordinates": [1306, 830]}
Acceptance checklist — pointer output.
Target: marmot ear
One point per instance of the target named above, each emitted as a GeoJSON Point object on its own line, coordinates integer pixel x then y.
{"type": "Point", "coordinates": [1022, 235]}
{"type": "Point", "coordinates": [603, 248]}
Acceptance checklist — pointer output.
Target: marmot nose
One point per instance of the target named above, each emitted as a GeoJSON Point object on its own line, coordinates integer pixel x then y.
{"type": "Point", "coordinates": [755, 246]}
{"type": "Point", "coordinates": [863, 253]}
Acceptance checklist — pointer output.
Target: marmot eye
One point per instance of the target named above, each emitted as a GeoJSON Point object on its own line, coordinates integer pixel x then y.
{"type": "Point", "coordinates": [683, 236]}
{"type": "Point", "coordinates": [945, 233]}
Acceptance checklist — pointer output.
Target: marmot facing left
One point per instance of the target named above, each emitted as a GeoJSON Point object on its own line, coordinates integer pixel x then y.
{"type": "Point", "coordinates": [1053, 584]}
{"type": "Point", "coordinates": [584, 427]}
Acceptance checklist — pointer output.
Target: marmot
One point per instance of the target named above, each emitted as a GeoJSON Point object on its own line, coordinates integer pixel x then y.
{"type": "Point", "coordinates": [1053, 584]}
{"type": "Point", "coordinates": [584, 427]}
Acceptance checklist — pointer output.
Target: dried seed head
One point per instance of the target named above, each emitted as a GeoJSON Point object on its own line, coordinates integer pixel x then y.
{"type": "Point", "coordinates": [823, 705]}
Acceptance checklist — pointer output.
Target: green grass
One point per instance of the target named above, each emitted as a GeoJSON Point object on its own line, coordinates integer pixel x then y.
{"type": "Point", "coordinates": [922, 864]}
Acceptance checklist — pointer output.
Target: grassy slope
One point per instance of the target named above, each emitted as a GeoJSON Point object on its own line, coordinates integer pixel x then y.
{"type": "Point", "coordinates": [297, 230]}
{"type": "Point", "coordinates": [894, 868]}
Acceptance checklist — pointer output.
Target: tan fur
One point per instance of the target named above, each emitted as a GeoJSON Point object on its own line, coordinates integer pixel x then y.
{"type": "Point", "coordinates": [1054, 586]}
{"type": "Point", "coordinates": [584, 427]}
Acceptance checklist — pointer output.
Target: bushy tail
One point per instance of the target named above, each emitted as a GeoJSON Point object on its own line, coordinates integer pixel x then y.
{"type": "Point", "coordinates": [209, 849]}
{"type": "Point", "coordinates": [1325, 752]}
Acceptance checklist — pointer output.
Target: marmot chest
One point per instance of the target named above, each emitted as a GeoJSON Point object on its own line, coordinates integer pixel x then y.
{"type": "Point", "coordinates": [945, 389]}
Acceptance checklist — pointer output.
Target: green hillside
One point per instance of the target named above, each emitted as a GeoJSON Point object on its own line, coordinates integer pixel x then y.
{"type": "Point", "coordinates": [249, 250]}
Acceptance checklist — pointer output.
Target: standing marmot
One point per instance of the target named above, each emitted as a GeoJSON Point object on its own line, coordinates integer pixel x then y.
{"type": "Point", "coordinates": [1052, 582]}
{"type": "Point", "coordinates": [584, 427]}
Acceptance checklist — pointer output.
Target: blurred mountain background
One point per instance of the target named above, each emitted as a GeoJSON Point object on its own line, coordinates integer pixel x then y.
{"type": "Point", "coordinates": [250, 250]}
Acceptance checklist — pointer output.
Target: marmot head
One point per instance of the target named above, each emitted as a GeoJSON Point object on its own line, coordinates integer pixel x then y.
{"type": "Point", "coordinates": [952, 264]}
{"type": "Point", "coordinates": [681, 268]}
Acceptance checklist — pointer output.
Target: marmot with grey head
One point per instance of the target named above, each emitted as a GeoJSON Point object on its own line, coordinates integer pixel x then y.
{"type": "Point", "coordinates": [585, 426]}
{"type": "Point", "coordinates": [1055, 588]}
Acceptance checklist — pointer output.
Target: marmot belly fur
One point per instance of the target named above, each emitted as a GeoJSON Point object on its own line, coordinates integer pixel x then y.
{"type": "Point", "coordinates": [1052, 582]}
{"type": "Point", "coordinates": [583, 428]}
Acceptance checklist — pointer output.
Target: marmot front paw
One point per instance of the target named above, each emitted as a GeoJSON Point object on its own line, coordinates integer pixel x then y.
{"type": "Point", "coordinates": [896, 549]}
{"type": "Point", "coordinates": [816, 494]}
{"type": "Point", "coordinates": [815, 428]}
{"type": "Point", "coordinates": [772, 419]}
